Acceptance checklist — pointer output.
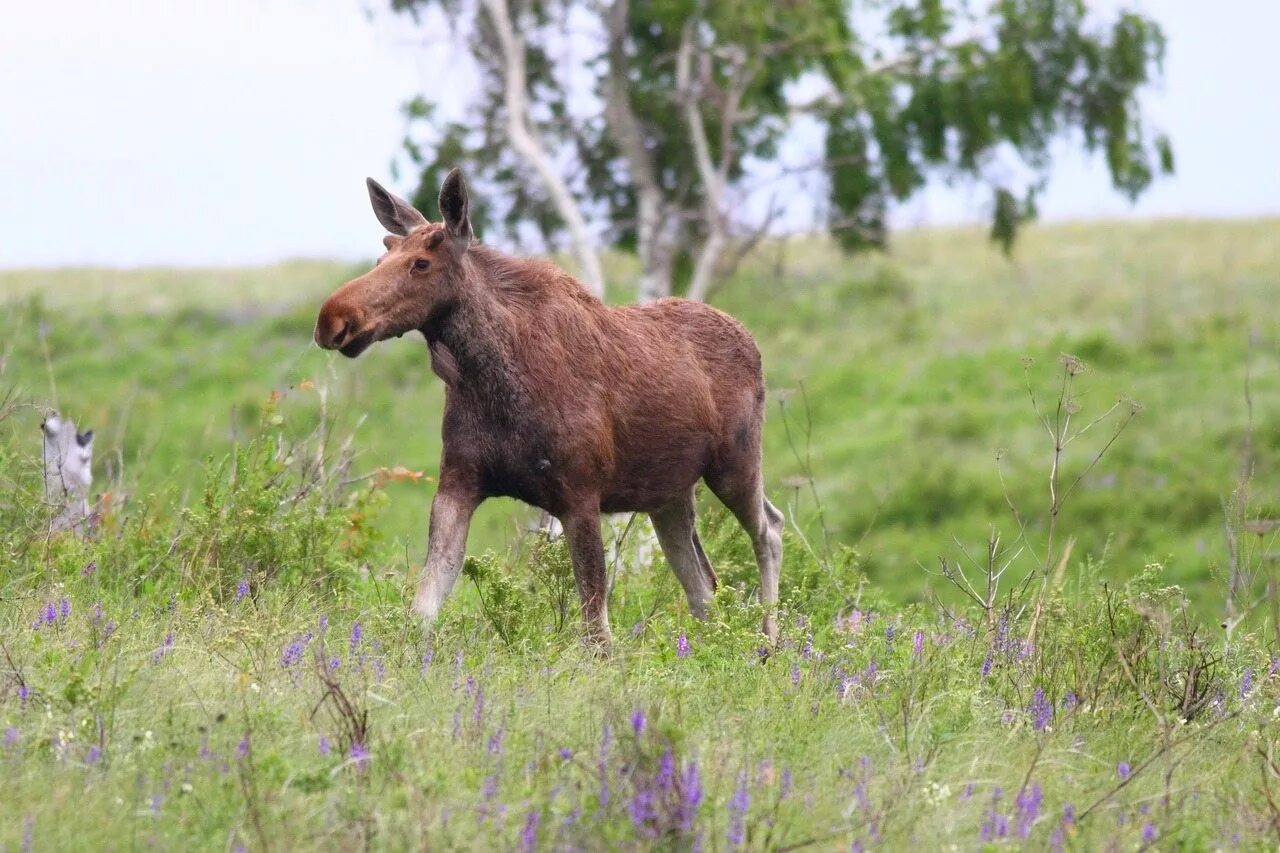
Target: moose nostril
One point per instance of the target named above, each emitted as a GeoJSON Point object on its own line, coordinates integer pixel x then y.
{"type": "Point", "coordinates": [341, 336]}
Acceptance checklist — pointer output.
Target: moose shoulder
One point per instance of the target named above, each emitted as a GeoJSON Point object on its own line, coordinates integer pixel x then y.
{"type": "Point", "coordinates": [554, 398]}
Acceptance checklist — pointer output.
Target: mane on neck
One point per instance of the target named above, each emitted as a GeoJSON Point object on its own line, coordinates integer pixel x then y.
{"type": "Point", "coordinates": [512, 280]}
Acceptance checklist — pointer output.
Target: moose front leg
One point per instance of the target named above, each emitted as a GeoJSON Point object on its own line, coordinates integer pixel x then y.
{"type": "Point", "coordinates": [582, 530]}
{"type": "Point", "coordinates": [446, 547]}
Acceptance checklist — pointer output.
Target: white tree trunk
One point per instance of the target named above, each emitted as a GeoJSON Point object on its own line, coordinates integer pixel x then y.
{"type": "Point", "coordinates": [713, 178]}
{"type": "Point", "coordinates": [529, 146]}
{"type": "Point", "coordinates": [653, 236]}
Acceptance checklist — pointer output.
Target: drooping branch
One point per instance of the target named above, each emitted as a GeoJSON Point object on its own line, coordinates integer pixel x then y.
{"type": "Point", "coordinates": [526, 143]}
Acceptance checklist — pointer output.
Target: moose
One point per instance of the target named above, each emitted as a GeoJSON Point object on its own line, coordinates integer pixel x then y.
{"type": "Point", "coordinates": [565, 403]}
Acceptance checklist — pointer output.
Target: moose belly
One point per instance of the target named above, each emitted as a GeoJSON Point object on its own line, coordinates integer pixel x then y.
{"type": "Point", "coordinates": [649, 476]}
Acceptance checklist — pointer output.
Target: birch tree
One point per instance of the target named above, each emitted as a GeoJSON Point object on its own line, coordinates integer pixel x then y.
{"type": "Point", "coordinates": [684, 131]}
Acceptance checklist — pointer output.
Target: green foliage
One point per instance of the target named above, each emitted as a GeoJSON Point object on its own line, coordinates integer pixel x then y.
{"type": "Point", "coordinates": [320, 717]}
{"type": "Point", "coordinates": [941, 89]}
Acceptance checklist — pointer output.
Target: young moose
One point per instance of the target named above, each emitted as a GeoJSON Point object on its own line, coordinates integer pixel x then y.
{"type": "Point", "coordinates": [554, 398]}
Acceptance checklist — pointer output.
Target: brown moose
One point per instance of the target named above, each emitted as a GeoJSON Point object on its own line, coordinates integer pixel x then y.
{"type": "Point", "coordinates": [572, 406]}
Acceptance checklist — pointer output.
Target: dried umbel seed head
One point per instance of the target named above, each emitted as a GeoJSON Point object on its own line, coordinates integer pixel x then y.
{"type": "Point", "coordinates": [1072, 365]}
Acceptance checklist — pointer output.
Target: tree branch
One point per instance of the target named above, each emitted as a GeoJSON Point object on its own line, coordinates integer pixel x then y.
{"type": "Point", "coordinates": [530, 148]}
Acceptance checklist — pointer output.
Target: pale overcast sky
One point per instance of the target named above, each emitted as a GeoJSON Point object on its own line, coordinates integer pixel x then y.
{"type": "Point", "coordinates": [240, 131]}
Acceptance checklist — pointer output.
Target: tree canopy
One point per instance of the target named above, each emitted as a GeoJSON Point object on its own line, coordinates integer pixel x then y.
{"type": "Point", "coordinates": [669, 127]}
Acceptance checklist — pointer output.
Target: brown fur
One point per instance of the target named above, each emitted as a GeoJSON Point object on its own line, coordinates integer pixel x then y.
{"type": "Point", "coordinates": [554, 398]}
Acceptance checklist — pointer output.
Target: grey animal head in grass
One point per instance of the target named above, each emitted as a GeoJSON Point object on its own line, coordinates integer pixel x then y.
{"type": "Point", "coordinates": [68, 470]}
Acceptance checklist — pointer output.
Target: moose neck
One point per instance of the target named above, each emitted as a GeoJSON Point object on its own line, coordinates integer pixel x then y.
{"type": "Point", "coordinates": [475, 331]}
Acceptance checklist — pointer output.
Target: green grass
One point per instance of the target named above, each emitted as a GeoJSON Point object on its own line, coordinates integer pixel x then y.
{"type": "Point", "coordinates": [189, 697]}
{"type": "Point", "coordinates": [912, 368]}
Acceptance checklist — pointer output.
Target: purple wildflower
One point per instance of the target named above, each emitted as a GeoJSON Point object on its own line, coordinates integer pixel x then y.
{"type": "Point", "coordinates": [917, 643]}
{"type": "Point", "coordinates": [889, 632]}
{"type": "Point", "coordinates": [379, 670]}
{"type": "Point", "coordinates": [359, 754]}
{"type": "Point", "coordinates": [1068, 814]}
{"type": "Point", "coordinates": [242, 748]}
{"type": "Point", "coordinates": [869, 674]}
{"type": "Point", "coordinates": [690, 796]}
{"type": "Point", "coordinates": [50, 613]}
{"type": "Point", "coordinates": [11, 737]}
{"type": "Point", "coordinates": [642, 810]}
{"type": "Point", "coordinates": [738, 808]}
{"type": "Point", "coordinates": [495, 741]}
{"type": "Point", "coordinates": [666, 770]}
{"type": "Point", "coordinates": [92, 756]}
{"type": "Point", "coordinates": [357, 633]}
{"type": "Point", "coordinates": [1149, 833]}
{"type": "Point", "coordinates": [64, 608]}
{"type": "Point", "coordinates": [242, 590]}
{"type": "Point", "coordinates": [24, 692]}
{"type": "Point", "coordinates": [682, 646]}
{"type": "Point", "coordinates": [638, 722]}
{"type": "Point", "coordinates": [324, 745]}
{"type": "Point", "coordinates": [1070, 700]}
{"type": "Point", "coordinates": [490, 788]}
{"type": "Point", "coordinates": [996, 825]}
{"type": "Point", "coordinates": [334, 663]}
{"type": "Point", "coordinates": [795, 674]}
{"type": "Point", "coordinates": [1028, 809]}
{"type": "Point", "coordinates": [426, 662]}
{"type": "Point", "coordinates": [1041, 710]}
{"type": "Point", "coordinates": [1246, 683]}
{"type": "Point", "coordinates": [1275, 665]}
{"type": "Point", "coordinates": [529, 835]}
{"type": "Point", "coordinates": [292, 654]}
{"type": "Point", "coordinates": [565, 753]}
{"type": "Point", "coordinates": [164, 649]}
{"type": "Point", "coordinates": [986, 665]}
{"type": "Point", "coordinates": [1122, 770]}
{"type": "Point", "coordinates": [89, 569]}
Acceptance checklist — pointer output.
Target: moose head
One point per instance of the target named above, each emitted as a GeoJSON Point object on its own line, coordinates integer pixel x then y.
{"type": "Point", "coordinates": [417, 276]}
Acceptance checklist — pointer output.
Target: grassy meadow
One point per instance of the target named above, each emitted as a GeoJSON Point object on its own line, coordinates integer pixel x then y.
{"type": "Point", "coordinates": [1028, 592]}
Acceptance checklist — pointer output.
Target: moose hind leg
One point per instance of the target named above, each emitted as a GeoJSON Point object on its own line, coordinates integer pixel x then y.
{"type": "Point", "coordinates": [741, 489]}
{"type": "Point", "coordinates": [675, 525]}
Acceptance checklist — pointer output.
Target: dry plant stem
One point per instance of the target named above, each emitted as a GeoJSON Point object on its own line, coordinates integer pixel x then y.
{"type": "Point", "coordinates": [1164, 750]}
{"type": "Point", "coordinates": [1058, 429]}
{"type": "Point", "coordinates": [805, 461]}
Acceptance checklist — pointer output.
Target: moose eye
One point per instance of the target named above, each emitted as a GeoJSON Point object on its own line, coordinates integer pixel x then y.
{"type": "Point", "coordinates": [422, 265]}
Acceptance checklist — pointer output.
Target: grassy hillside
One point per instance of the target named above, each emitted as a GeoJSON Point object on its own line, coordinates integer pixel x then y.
{"type": "Point", "coordinates": [228, 664]}
{"type": "Point", "coordinates": [911, 368]}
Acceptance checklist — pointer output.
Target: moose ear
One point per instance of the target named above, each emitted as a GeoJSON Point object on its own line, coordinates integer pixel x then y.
{"type": "Point", "coordinates": [455, 207]}
{"type": "Point", "coordinates": [85, 439]}
{"type": "Point", "coordinates": [395, 214]}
